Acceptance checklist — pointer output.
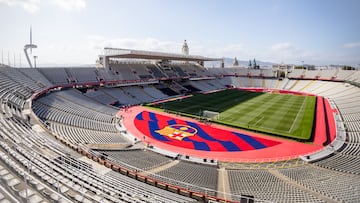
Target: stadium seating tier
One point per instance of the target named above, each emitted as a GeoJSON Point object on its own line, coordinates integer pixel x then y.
{"type": "Point", "coordinates": [36, 166]}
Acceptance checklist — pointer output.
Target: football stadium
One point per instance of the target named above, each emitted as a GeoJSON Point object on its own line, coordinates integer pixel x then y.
{"type": "Point", "coordinates": [145, 126]}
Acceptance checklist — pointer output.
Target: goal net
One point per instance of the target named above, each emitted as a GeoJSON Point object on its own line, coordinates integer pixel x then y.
{"type": "Point", "coordinates": [212, 115]}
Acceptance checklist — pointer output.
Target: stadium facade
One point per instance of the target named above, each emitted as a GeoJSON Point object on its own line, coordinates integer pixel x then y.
{"type": "Point", "coordinates": [64, 136]}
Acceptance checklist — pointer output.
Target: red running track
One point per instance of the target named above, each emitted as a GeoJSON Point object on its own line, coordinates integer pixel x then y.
{"type": "Point", "coordinates": [320, 124]}
{"type": "Point", "coordinates": [283, 149]}
{"type": "Point", "coordinates": [330, 120]}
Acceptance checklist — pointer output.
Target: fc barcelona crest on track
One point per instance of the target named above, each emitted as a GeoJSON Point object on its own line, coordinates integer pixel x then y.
{"type": "Point", "coordinates": [187, 134]}
{"type": "Point", "coordinates": [177, 131]}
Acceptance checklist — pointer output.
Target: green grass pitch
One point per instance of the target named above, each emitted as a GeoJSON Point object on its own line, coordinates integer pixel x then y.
{"type": "Point", "coordinates": [286, 115]}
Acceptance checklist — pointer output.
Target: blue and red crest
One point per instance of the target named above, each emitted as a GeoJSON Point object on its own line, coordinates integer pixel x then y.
{"type": "Point", "coordinates": [195, 136]}
{"type": "Point", "coordinates": [177, 131]}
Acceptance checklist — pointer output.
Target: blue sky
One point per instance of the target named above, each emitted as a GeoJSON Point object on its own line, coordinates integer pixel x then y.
{"type": "Point", "coordinates": [75, 31]}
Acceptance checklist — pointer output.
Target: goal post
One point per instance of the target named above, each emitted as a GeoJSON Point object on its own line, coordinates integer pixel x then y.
{"type": "Point", "coordinates": [212, 115]}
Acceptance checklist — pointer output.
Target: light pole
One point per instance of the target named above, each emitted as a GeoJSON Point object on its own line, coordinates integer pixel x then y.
{"type": "Point", "coordinates": [35, 57]}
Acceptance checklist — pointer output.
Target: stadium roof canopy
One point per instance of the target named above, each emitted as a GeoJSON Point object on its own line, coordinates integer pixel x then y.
{"type": "Point", "coordinates": [152, 55]}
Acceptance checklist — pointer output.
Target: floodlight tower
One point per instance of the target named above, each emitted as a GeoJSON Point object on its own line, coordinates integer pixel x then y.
{"type": "Point", "coordinates": [185, 48]}
{"type": "Point", "coordinates": [35, 57]}
{"type": "Point", "coordinates": [29, 46]}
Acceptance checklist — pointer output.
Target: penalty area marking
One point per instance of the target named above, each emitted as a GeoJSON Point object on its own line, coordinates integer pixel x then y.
{"type": "Point", "coordinates": [259, 121]}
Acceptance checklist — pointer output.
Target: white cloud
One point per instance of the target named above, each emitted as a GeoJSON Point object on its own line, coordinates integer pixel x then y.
{"type": "Point", "coordinates": [289, 50]}
{"type": "Point", "coordinates": [209, 49]}
{"type": "Point", "coordinates": [30, 6]}
{"type": "Point", "coordinates": [99, 42]}
{"type": "Point", "coordinates": [232, 50]}
{"type": "Point", "coordinates": [33, 6]}
{"type": "Point", "coordinates": [285, 46]}
{"type": "Point", "coordinates": [70, 5]}
{"type": "Point", "coordinates": [86, 51]}
{"type": "Point", "coordinates": [289, 53]}
{"type": "Point", "coordinates": [60, 52]}
{"type": "Point", "coordinates": [352, 45]}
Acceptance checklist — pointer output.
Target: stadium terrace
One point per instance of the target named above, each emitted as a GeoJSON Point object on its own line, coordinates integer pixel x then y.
{"type": "Point", "coordinates": [147, 126]}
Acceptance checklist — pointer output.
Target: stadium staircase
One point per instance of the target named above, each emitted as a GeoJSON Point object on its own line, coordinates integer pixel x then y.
{"type": "Point", "coordinates": [178, 88]}
{"type": "Point", "coordinates": [263, 83]}
{"type": "Point", "coordinates": [104, 92]}
{"type": "Point", "coordinates": [160, 168]}
{"type": "Point", "coordinates": [336, 73]}
{"type": "Point", "coordinates": [287, 180]}
{"type": "Point", "coordinates": [251, 82]}
{"type": "Point", "coordinates": [70, 78]}
{"type": "Point", "coordinates": [283, 84]}
{"type": "Point", "coordinates": [277, 84]}
{"type": "Point", "coordinates": [223, 186]}
{"type": "Point", "coordinates": [307, 85]}
{"type": "Point", "coordinates": [318, 87]}
{"type": "Point", "coordinates": [294, 85]}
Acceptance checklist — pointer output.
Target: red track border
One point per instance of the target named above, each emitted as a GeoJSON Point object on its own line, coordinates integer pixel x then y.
{"type": "Point", "coordinates": [287, 149]}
